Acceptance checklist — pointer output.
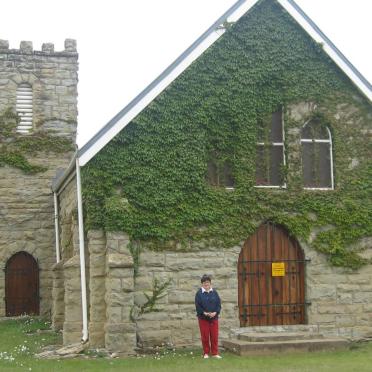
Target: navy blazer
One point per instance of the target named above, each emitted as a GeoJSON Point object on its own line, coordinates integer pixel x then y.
{"type": "Point", "coordinates": [209, 302]}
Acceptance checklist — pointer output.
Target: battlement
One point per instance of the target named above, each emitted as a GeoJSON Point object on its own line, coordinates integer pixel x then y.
{"type": "Point", "coordinates": [26, 47]}
{"type": "Point", "coordinates": [41, 86]}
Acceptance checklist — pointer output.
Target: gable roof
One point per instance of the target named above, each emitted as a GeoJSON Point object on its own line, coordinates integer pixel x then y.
{"type": "Point", "coordinates": [214, 32]}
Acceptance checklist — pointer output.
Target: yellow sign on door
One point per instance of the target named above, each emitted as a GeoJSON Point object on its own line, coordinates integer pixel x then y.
{"type": "Point", "coordinates": [277, 269]}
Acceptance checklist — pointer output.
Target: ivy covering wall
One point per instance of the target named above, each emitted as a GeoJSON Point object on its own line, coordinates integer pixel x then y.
{"type": "Point", "coordinates": [150, 180]}
{"type": "Point", "coordinates": [16, 149]}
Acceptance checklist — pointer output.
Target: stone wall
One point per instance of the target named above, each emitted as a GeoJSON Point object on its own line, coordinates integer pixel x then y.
{"type": "Point", "coordinates": [69, 247]}
{"type": "Point", "coordinates": [110, 289]}
{"type": "Point", "coordinates": [341, 299]}
{"type": "Point", "coordinates": [175, 323]}
{"type": "Point", "coordinates": [27, 221]}
{"type": "Point", "coordinates": [68, 220]}
{"type": "Point", "coordinates": [97, 288]}
{"type": "Point", "coordinates": [26, 201]}
{"type": "Point", "coordinates": [67, 300]}
{"type": "Point", "coordinates": [58, 296]}
{"type": "Point", "coordinates": [73, 323]}
{"type": "Point", "coordinates": [120, 335]}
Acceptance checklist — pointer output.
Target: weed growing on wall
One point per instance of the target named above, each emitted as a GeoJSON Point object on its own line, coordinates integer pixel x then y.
{"type": "Point", "coordinates": [159, 291]}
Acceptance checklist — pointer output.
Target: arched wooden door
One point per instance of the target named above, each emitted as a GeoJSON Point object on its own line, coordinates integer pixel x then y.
{"type": "Point", "coordinates": [22, 285]}
{"type": "Point", "coordinates": [271, 272]}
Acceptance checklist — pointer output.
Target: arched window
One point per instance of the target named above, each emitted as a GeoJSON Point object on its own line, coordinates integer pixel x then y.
{"type": "Point", "coordinates": [317, 161]}
{"type": "Point", "coordinates": [24, 108]}
{"type": "Point", "coordinates": [270, 158]}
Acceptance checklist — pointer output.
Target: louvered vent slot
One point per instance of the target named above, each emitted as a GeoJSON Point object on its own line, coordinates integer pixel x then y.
{"type": "Point", "coordinates": [24, 108]}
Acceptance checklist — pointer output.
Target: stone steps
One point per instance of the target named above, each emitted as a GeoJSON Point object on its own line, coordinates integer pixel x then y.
{"type": "Point", "coordinates": [294, 328]}
{"type": "Point", "coordinates": [282, 336]}
{"type": "Point", "coordinates": [271, 343]}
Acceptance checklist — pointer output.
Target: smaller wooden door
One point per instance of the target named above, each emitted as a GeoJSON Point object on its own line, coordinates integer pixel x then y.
{"type": "Point", "coordinates": [22, 285]}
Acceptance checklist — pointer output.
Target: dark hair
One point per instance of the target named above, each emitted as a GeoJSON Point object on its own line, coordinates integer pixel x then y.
{"type": "Point", "coordinates": [205, 278]}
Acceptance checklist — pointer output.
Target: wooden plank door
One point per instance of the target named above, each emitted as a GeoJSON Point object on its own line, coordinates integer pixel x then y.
{"type": "Point", "coordinates": [271, 272]}
{"type": "Point", "coordinates": [22, 285]}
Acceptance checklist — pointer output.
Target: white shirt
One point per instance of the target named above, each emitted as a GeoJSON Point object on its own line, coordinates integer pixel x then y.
{"type": "Point", "coordinates": [204, 290]}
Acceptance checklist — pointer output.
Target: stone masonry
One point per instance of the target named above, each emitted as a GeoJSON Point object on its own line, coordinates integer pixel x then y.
{"type": "Point", "coordinates": [68, 234]}
{"type": "Point", "coordinates": [97, 289]}
{"type": "Point", "coordinates": [110, 292]}
{"type": "Point", "coordinates": [340, 298]}
{"type": "Point", "coordinates": [67, 313]}
{"type": "Point", "coordinates": [26, 201]}
{"type": "Point", "coordinates": [120, 334]}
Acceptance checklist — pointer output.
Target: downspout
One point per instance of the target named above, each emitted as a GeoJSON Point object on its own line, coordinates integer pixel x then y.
{"type": "Point", "coordinates": [56, 227]}
{"type": "Point", "coordinates": [82, 254]}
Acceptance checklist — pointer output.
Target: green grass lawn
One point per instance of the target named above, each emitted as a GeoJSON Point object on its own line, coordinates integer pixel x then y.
{"type": "Point", "coordinates": [20, 339]}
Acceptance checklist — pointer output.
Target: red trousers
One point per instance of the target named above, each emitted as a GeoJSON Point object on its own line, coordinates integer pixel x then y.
{"type": "Point", "coordinates": [209, 335]}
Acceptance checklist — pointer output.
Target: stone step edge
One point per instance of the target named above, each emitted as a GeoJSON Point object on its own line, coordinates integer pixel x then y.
{"type": "Point", "coordinates": [261, 337]}
{"type": "Point", "coordinates": [287, 342]}
{"type": "Point", "coordinates": [278, 328]}
{"type": "Point", "coordinates": [244, 348]}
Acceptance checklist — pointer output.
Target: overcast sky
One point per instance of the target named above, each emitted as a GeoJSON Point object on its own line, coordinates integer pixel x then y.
{"type": "Point", "coordinates": [125, 44]}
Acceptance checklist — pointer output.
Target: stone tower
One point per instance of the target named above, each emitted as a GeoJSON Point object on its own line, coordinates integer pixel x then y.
{"type": "Point", "coordinates": [38, 120]}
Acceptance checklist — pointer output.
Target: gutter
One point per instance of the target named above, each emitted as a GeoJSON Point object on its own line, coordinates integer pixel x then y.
{"type": "Point", "coordinates": [56, 227]}
{"type": "Point", "coordinates": [59, 180]}
{"type": "Point", "coordinates": [57, 187]}
{"type": "Point", "coordinates": [82, 254]}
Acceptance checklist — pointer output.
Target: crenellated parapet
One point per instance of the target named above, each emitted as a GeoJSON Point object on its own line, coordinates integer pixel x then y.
{"type": "Point", "coordinates": [41, 86]}
{"type": "Point", "coordinates": [26, 47]}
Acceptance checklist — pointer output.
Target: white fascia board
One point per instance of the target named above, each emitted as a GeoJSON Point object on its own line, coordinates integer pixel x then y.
{"type": "Point", "coordinates": [106, 137]}
{"type": "Point", "coordinates": [238, 13]}
{"type": "Point", "coordinates": [148, 98]}
{"type": "Point", "coordinates": [329, 49]}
